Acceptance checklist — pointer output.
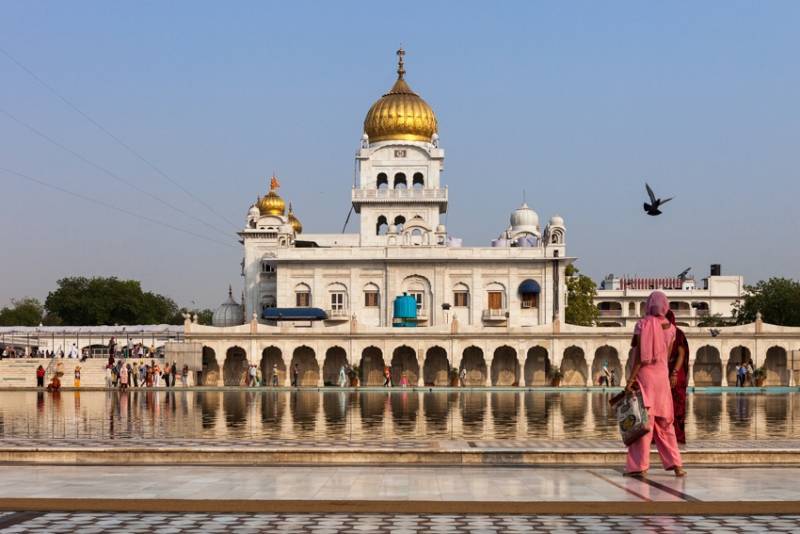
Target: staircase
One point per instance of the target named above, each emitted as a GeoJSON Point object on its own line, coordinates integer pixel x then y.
{"type": "Point", "coordinates": [21, 372]}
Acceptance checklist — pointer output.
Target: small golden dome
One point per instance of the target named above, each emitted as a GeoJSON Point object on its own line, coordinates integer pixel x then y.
{"type": "Point", "coordinates": [401, 114]}
{"type": "Point", "coordinates": [294, 221]}
{"type": "Point", "coordinates": [272, 203]}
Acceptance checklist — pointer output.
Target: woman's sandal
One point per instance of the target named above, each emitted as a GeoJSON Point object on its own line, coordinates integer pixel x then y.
{"type": "Point", "coordinates": [679, 471]}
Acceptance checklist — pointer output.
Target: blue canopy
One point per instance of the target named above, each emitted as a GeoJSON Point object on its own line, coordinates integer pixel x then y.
{"type": "Point", "coordinates": [294, 314]}
{"type": "Point", "coordinates": [530, 287]}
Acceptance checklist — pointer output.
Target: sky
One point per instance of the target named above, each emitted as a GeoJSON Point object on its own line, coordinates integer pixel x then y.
{"type": "Point", "coordinates": [575, 103]}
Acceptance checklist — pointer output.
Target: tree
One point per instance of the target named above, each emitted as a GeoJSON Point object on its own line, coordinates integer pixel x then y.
{"type": "Point", "coordinates": [23, 312]}
{"type": "Point", "coordinates": [107, 301]}
{"type": "Point", "coordinates": [581, 291]}
{"type": "Point", "coordinates": [778, 300]}
{"type": "Point", "coordinates": [714, 321]}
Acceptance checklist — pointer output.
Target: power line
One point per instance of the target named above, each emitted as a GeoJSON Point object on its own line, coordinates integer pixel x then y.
{"type": "Point", "coordinates": [115, 208]}
{"type": "Point", "coordinates": [119, 141]}
{"type": "Point", "coordinates": [111, 173]}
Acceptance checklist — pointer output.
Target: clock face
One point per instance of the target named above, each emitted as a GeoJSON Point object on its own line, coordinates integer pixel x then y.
{"type": "Point", "coordinates": [400, 153]}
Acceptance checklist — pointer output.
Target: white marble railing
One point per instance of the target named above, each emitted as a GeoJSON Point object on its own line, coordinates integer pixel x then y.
{"type": "Point", "coordinates": [395, 194]}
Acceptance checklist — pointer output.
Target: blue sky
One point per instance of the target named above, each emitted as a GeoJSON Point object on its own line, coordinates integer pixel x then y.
{"type": "Point", "coordinates": [577, 103]}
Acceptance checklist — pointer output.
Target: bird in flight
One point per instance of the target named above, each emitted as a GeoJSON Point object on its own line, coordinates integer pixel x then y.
{"type": "Point", "coordinates": [655, 203]}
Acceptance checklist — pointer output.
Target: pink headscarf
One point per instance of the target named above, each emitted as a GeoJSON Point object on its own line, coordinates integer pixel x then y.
{"type": "Point", "coordinates": [653, 345]}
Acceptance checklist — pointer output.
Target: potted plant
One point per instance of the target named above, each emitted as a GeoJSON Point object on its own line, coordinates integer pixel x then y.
{"type": "Point", "coordinates": [453, 377]}
{"type": "Point", "coordinates": [555, 377]}
{"type": "Point", "coordinates": [355, 373]}
{"type": "Point", "coordinates": [760, 376]}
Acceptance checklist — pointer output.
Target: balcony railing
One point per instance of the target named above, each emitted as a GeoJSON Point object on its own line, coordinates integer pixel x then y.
{"type": "Point", "coordinates": [495, 314]}
{"type": "Point", "coordinates": [339, 314]}
{"type": "Point", "coordinates": [610, 313]}
{"type": "Point", "coordinates": [395, 194]}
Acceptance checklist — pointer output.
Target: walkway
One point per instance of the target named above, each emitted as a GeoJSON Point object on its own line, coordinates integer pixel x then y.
{"type": "Point", "coordinates": [380, 489]}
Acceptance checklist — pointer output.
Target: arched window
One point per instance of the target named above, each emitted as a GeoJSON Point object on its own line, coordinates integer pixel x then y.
{"type": "Point", "coordinates": [399, 222]}
{"type": "Point", "coordinates": [400, 181]}
{"type": "Point", "coordinates": [382, 226]}
{"type": "Point", "coordinates": [418, 182]}
{"type": "Point", "coordinates": [416, 236]}
{"type": "Point", "coordinates": [371, 296]}
{"type": "Point", "coordinates": [337, 294]}
{"type": "Point", "coordinates": [460, 295]}
{"type": "Point", "coordinates": [495, 297]}
{"type": "Point", "coordinates": [302, 296]}
{"type": "Point", "coordinates": [383, 181]}
{"type": "Point", "coordinates": [529, 294]}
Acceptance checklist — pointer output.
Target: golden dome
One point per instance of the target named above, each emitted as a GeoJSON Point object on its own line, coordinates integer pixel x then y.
{"type": "Point", "coordinates": [272, 203]}
{"type": "Point", "coordinates": [294, 221]}
{"type": "Point", "coordinates": [401, 114]}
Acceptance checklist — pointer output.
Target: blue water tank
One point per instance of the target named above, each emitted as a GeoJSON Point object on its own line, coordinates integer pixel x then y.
{"type": "Point", "coordinates": [405, 311]}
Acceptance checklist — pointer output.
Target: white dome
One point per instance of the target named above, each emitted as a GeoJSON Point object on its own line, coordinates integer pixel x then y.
{"type": "Point", "coordinates": [524, 217]}
{"type": "Point", "coordinates": [556, 220]}
{"type": "Point", "coordinates": [229, 312]}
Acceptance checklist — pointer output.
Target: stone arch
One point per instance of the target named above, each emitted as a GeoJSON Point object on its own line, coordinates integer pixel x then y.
{"type": "Point", "coordinates": [382, 225]}
{"type": "Point", "coordinates": [537, 367]}
{"type": "Point", "coordinates": [707, 370]}
{"type": "Point", "coordinates": [436, 369]}
{"type": "Point", "coordinates": [737, 356]}
{"type": "Point", "coordinates": [382, 181]}
{"type": "Point", "coordinates": [418, 181]}
{"type": "Point", "coordinates": [505, 367]}
{"type": "Point", "coordinates": [404, 360]}
{"type": "Point", "coordinates": [420, 288]}
{"type": "Point", "coordinates": [307, 366]}
{"type": "Point", "coordinates": [573, 367]}
{"type": "Point", "coordinates": [776, 364]}
{"type": "Point", "coordinates": [234, 370]}
{"type": "Point", "coordinates": [335, 358]}
{"type": "Point", "coordinates": [400, 181]}
{"type": "Point", "coordinates": [399, 223]}
{"type": "Point", "coordinates": [272, 357]}
{"type": "Point", "coordinates": [472, 360]}
{"type": "Point", "coordinates": [210, 375]}
{"type": "Point", "coordinates": [609, 354]}
{"type": "Point", "coordinates": [371, 366]}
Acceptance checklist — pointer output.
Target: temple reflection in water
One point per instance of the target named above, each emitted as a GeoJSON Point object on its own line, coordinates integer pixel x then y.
{"type": "Point", "coordinates": [372, 416]}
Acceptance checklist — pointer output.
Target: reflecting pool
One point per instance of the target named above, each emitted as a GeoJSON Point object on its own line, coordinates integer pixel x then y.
{"type": "Point", "coordinates": [373, 415]}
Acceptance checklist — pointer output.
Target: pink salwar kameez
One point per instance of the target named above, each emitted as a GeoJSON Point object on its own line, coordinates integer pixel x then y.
{"type": "Point", "coordinates": [654, 343]}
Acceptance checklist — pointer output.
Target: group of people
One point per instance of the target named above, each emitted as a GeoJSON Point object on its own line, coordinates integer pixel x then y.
{"type": "Point", "coordinates": [123, 374]}
{"type": "Point", "coordinates": [255, 378]}
{"type": "Point", "coordinates": [660, 371]}
{"type": "Point", "coordinates": [608, 376]}
{"type": "Point", "coordinates": [745, 374]}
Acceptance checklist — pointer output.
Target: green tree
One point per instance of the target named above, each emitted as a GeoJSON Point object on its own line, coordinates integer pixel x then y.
{"type": "Point", "coordinates": [22, 312]}
{"type": "Point", "coordinates": [778, 300]}
{"type": "Point", "coordinates": [107, 301]}
{"type": "Point", "coordinates": [581, 291]}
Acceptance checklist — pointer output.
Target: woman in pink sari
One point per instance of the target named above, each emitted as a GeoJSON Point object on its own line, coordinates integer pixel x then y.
{"type": "Point", "coordinates": [652, 344]}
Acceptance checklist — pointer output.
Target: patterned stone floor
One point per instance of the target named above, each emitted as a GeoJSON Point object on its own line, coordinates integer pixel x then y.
{"type": "Point", "coordinates": [88, 523]}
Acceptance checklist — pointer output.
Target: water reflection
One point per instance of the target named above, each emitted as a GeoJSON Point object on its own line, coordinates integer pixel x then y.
{"type": "Point", "coordinates": [372, 415]}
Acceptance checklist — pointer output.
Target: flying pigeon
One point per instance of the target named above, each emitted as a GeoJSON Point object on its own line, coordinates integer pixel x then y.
{"type": "Point", "coordinates": [714, 332]}
{"type": "Point", "coordinates": [655, 203]}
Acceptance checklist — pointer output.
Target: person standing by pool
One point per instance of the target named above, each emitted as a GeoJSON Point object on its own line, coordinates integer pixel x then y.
{"type": "Point", "coordinates": [295, 375]}
{"type": "Point", "coordinates": [40, 376]}
{"type": "Point", "coordinates": [123, 378]}
{"type": "Point", "coordinates": [387, 376]}
{"type": "Point", "coordinates": [185, 375]}
{"type": "Point", "coordinates": [462, 376]}
{"type": "Point", "coordinates": [652, 343]}
{"type": "Point", "coordinates": [342, 377]}
{"type": "Point", "coordinates": [679, 378]}
{"type": "Point", "coordinates": [77, 382]}
{"type": "Point", "coordinates": [274, 375]}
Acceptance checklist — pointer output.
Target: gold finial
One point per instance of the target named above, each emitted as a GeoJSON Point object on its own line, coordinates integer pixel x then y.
{"type": "Point", "coordinates": [400, 67]}
{"type": "Point", "coordinates": [274, 183]}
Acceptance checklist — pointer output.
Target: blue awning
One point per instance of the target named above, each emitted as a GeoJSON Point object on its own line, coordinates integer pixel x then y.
{"type": "Point", "coordinates": [294, 314]}
{"type": "Point", "coordinates": [529, 287]}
